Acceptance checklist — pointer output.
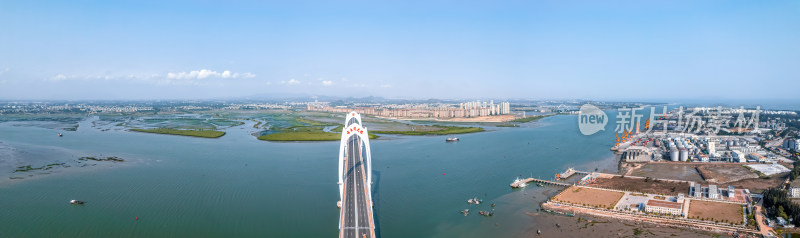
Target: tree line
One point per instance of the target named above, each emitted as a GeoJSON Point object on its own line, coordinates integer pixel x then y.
{"type": "Point", "coordinates": [778, 204]}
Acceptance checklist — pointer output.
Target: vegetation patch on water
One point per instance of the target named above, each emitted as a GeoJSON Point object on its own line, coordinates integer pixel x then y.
{"type": "Point", "coordinates": [507, 125]}
{"type": "Point", "coordinates": [444, 130]}
{"type": "Point", "coordinates": [85, 161]}
{"type": "Point", "coordinates": [195, 133]}
{"type": "Point", "coordinates": [313, 123]}
{"type": "Point", "coordinates": [297, 128]}
{"type": "Point", "coordinates": [304, 135]}
{"type": "Point", "coordinates": [530, 118]}
{"type": "Point", "coordinates": [27, 168]}
{"type": "Point", "coordinates": [112, 158]}
{"type": "Point", "coordinates": [301, 136]}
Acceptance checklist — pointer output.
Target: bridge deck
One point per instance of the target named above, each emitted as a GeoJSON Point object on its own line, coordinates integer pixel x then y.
{"type": "Point", "coordinates": [357, 217]}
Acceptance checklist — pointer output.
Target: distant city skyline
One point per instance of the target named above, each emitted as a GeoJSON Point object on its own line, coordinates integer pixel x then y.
{"type": "Point", "coordinates": [664, 51]}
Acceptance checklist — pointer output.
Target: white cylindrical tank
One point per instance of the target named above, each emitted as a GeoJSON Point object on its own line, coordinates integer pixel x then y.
{"type": "Point", "coordinates": [684, 155]}
{"type": "Point", "coordinates": [673, 154]}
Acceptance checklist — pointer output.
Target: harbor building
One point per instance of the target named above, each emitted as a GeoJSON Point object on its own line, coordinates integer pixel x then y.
{"type": "Point", "coordinates": [637, 154]}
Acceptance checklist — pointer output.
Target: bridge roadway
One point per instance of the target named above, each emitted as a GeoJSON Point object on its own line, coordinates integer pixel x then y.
{"type": "Point", "coordinates": [357, 209]}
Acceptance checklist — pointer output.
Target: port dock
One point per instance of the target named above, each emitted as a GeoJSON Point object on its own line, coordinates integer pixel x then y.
{"type": "Point", "coordinates": [518, 183]}
{"type": "Point", "coordinates": [566, 174]}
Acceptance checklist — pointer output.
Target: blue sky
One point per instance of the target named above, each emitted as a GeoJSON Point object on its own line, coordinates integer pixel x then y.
{"type": "Point", "coordinates": [604, 50]}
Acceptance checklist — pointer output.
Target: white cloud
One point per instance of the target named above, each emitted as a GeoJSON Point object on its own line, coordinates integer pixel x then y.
{"type": "Point", "coordinates": [177, 78]}
{"type": "Point", "coordinates": [327, 82]}
{"type": "Point", "coordinates": [59, 77]}
{"type": "Point", "coordinates": [205, 73]}
{"type": "Point", "coordinates": [291, 82]}
{"type": "Point", "coordinates": [358, 85]}
{"type": "Point", "coordinates": [244, 75]}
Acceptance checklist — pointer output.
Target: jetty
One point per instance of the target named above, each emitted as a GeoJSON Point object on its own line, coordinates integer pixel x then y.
{"type": "Point", "coordinates": [519, 183]}
{"type": "Point", "coordinates": [568, 173]}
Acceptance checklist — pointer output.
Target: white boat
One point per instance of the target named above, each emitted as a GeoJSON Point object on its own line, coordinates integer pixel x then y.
{"type": "Point", "coordinates": [451, 139]}
{"type": "Point", "coordinates": [520, 183]}
{"type": "Point", "coordinates": [76, 202]}
{"type": "Point", "coordinates": [474, 201]}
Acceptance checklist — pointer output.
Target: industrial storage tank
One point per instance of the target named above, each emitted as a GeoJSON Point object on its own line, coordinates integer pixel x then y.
{"type": "Point", "coordinates": [684, 155]}
{"type": "Point", "coordinates": [673, 154]}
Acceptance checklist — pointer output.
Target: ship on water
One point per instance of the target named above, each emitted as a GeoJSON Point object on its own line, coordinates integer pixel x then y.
{"type": "Point", "coordinates": [451, 139]}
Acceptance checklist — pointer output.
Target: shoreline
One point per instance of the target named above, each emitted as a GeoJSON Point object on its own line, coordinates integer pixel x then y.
{"type": "Point", "coordinates": [621, 221]}
{"type": "Point", "coordinates": [624, 217]}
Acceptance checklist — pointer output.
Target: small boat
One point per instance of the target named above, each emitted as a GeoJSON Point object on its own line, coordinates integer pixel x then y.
{"type": "Point", "coordinates": [76, 202]}
{"type": "Point", "coordinates": [474, 200]}
{"type": "Point", "coordinates": [451, 139]}
{"type": "Point", "coordinates": [519, 183]}
{"type": "Point", "coordinates": [465, 211]}
{"type": "Point", "coordinates": [493, 204]}
{"type": "Point", "coordinates": [486, 214]}
{"type": "Point", "coordinates": [538, 232]}
{"type": "Point", "coordinates": [60, 135]}
{"type": "Point", "coordinates": [539, 184]}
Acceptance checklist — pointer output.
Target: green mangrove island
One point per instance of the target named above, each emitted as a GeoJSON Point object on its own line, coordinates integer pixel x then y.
{"type": "Point", "coordinates": [194, 133]}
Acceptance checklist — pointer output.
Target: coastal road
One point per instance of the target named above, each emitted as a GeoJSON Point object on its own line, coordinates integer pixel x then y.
{"type": "Point", "coordinates": [357, 207]}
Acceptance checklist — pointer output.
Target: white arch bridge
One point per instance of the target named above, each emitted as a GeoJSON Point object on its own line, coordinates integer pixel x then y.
{"type": "Point", "coordinates": [355, 181]}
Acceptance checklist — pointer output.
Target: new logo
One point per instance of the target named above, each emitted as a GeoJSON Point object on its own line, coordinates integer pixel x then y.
{"type": "Point", "coordinates": [591, 119]}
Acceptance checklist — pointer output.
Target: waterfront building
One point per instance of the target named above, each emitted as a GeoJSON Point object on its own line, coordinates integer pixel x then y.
{"type": "Point", "coordinates": [664, 207]}
{"type": "Point", "coordinates": [637, 154]}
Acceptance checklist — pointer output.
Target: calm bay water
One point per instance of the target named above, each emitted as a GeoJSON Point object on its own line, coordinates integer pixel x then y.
{"type": "Point", "coordinates": [239, 186]}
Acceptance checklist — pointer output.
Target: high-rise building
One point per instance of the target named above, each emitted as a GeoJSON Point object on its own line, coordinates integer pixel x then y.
{"type": "Point", "coordinates": [712, 147]}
